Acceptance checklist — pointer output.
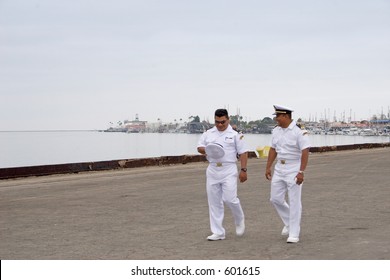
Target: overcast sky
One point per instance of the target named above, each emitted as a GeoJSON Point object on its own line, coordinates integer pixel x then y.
{"type": "Point", "coordinates": [81, 64]}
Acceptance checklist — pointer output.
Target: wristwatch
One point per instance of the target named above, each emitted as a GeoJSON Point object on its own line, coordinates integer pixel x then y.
{"type": "Point", "coordinates": [244, 169]}
{"type": "Point", "coordinates": [301, 172]}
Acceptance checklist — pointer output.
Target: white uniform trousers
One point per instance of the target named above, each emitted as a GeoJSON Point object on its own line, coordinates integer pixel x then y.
{"type": "Point", "coordinates": [222, 188]}
{"type": "Point", "coordinates": [283, 181]}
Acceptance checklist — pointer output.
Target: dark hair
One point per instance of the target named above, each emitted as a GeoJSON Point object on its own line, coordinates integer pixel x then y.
{"type": "Point", "coordinates": [221, 113]}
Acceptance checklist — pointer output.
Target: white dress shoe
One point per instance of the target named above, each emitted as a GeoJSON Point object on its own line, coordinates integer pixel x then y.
{"type": "Point", "coordinates": [215, 237]}
{"type": "Point", "coordinates": [240, 229]}
{"type": "Point", "coordinates": [292, 240]}
{"type": "Point", "coordinates": [285, 231]}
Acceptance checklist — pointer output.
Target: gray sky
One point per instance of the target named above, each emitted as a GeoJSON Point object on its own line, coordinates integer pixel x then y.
{"type": "Point", "coordinates": [80, 64]}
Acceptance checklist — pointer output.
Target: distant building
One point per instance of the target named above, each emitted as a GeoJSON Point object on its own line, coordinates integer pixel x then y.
{"type": "Point", "coordinates": [135, 125]}
{"type": "Point", "coordinates": [196, 127]}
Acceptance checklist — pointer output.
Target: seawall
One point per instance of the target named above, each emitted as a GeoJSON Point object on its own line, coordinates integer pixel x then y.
{"type": "Point", "coordinates": [42, 170]}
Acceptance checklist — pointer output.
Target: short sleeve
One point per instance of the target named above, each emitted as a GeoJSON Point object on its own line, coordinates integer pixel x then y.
{"type": "Point", "coordinates": [202, 140]}
{"type": "Point", "coordinates": [240, 144]}
{"type": "Point", "coordinates": [304, 140]}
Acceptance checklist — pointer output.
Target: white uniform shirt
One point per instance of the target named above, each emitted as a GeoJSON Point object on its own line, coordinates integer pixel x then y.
{"type": "Point", "coordinates": [289, 142]}
{"type": "Point", "coordinates": [231, 140]}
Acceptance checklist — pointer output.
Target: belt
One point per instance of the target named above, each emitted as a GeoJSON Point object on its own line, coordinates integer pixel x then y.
{"type": "Point", "coordinates": [220, 164]}
{"type": "Point", "coordinates": [285, 161]}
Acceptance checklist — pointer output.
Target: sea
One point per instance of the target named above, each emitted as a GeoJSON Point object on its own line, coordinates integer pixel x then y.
{"type": "Point", "coordinates": [32, 148]}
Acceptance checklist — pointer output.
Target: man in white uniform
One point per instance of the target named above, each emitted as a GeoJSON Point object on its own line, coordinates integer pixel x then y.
{"type": "Point", "coordinates": [222, 174]}
{"type": "Point", "coordinates": [290, 147]}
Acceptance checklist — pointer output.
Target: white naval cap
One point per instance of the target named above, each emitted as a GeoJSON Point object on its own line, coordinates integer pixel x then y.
{"type": "Point", "coordinates": [215, 150]}
{"type": "Point", "coordinates": [282, 110]}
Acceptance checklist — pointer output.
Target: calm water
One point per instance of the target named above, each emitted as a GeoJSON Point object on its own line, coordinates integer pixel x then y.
{"type": "Point", "coordinates": [41, 148]}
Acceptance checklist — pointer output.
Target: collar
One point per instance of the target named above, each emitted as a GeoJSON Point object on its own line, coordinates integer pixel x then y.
{"type": "Point", "coordinates": [292, 124]}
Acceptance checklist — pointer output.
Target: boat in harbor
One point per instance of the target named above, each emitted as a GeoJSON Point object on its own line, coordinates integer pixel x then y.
{"type": "Point", "coordinates": [353, 131]}
{"type": "Point", "coordinates": [367, 132]}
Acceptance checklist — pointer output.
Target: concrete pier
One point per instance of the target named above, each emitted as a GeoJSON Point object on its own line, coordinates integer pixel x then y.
{"type": "Point", "coordinates": [161, 212]}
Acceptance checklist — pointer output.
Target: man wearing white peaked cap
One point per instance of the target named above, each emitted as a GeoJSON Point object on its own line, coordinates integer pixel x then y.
{"type": "Point", "coordinates": [290, 148]}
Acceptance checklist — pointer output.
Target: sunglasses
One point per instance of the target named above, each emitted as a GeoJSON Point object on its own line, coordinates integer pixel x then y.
{"type": "Point", "coordinates": [220, 122]}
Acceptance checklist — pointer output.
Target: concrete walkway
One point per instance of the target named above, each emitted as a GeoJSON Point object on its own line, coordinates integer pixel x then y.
{"type": "Point", "coordinates": [162, 213]}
